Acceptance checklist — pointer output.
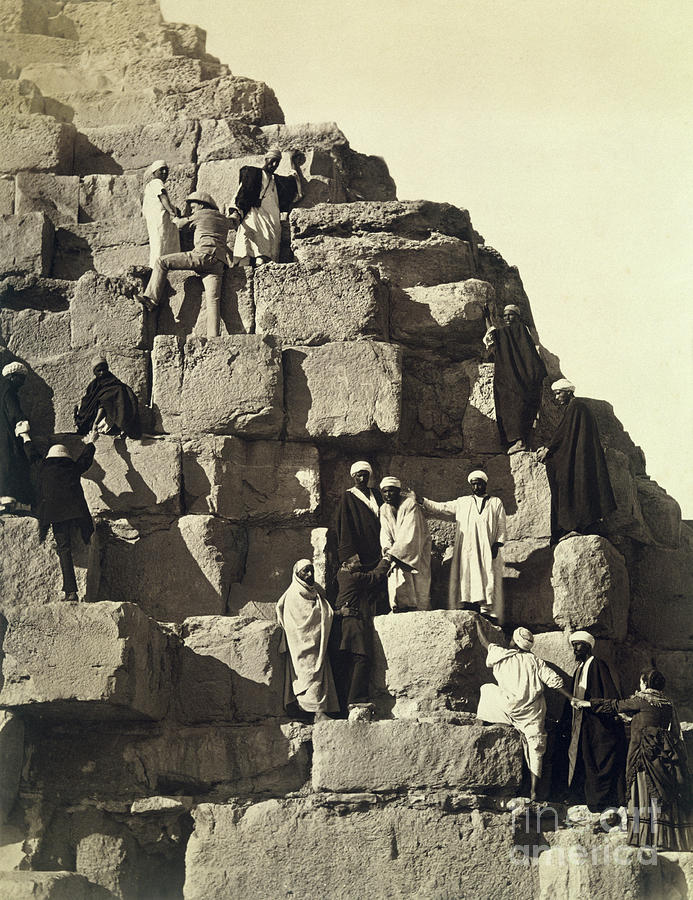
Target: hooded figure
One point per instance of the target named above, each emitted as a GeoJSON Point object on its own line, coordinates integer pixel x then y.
{"type": "Point", "coordinates": [108, 405]}
{"type": "Point", "coordinates": [15, 441]}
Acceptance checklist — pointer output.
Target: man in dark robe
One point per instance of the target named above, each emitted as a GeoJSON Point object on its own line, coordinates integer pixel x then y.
{"type": "Point", "coordinates": [597, 753]}
{"type": "Point", "coordinates": [581, 492]}
{"type": "Point", "coordinates": [356, 521]}
{"type": "Point", "coordinates": [15, 443]}
{"type": "Point", "coordinates": [108, 406]}
{"type": "Point", "coordinates": [63, 507]}
{"type": "Point", "coordinates": [518, 375]}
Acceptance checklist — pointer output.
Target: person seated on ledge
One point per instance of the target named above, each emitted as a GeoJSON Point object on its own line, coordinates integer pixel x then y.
{"type": "Point", "coordinates": [16, 493]}
{"type": "Point", "coordinates": [306, 619]}
{"type": "Point", "coordinates": [159, 213]}
{"type": "Point", "coordinates": [406, 543]}
{"type": "Point", "coordinates": [518, 697]}
{"type": "Point", "coordinates": [208, 258]}
{"type": "Point", "coordinates": [62, 505]}
{"type": "Point", "coordinates": [108, 406]}
{"type": "Point", "coordinates": [261, 199]}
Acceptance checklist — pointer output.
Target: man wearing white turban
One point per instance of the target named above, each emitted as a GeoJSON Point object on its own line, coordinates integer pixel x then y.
{"type": "Point", "coordinates": [406, 542]}
{"type": "Point", "coordinates": [356, 520]}
{"type": "Point", "coordinates": [518, 697]}
{"type": "Point", "coordinates": [15, 443]}
{"type": "Point", "coordinates": [159, 213]}
{"type": "Point", "coordinates": [476, 570]}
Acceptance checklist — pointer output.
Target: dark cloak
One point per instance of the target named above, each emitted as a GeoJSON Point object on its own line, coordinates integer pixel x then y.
{"type": "Point", "coordinates": [581, 492]}
{"type": "Point", "coordinates": [61, 497]}
{"type": "Point", "coordinates": [517, 380]}
{"type": "Point", "coordinates": [601, 754]}
{"type": "Point", "coordinates": [117, 400]}
{"type": "Point", "coordinates": [250, 180]}
{"type": "Point", "coordinates": [358, 529]}
{"type": "Point", "coordinates": [14, 465]}
{"type": "Point", "coordinates": [354, 608]}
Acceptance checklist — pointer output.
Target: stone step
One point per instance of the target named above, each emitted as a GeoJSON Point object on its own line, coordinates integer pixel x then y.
{"type": "Point", "coordinates": [48, 886]}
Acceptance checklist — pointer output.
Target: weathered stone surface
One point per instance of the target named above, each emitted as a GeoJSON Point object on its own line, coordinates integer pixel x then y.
{"type": "Point", "coordinates": [104, 313]}
{"type": "Point", "coordinates": [400, 755]}
{"type": "Point", "coordinates": [661, 513]}
{"type": "Point", "coordinates": [428, 662]}
{"type": "Point", "coordinates": [34, 332]}
{"type": "Point", "coordinates": [445, 317]}
{"type": "Point", "coordinates": [26, 244]}
{"type": "Point", "coordinates": [21, 96]}
{"type": "Point", "coordinates": [36, 143]}
{"type": "Point", "coordinates": [506, 282]}
{"type": "Point", "coordinates": [251, 669]}
{"type": "Point", "coordinates": [590, 584]}
{"type": "Point", "coordinates": [434, 401]}
{"type": "Point", "coordinates": [172, 570]}
{"type": "Point", "coordinates": [57, 196]}
{"type": "Point", "coordinates": [250, 481]}
{"type": "Point", "coordinates": [48, 886]}
{"type": "Point", "coordinates": [297, 304]}
{"type": "Point", "coordinates": [22, 49]}
{"type": "Point", "coordinates": [134, 476]}
{"type": "Point", "coordinates": [272, 553]}
{"type": "Point", "coordinates": [6, 196]}
{"type": "Point", "coordinates": [227, 138]}
{"type": "Point", "coordinates": [167, 381]}
{"type": "Point", "coordinates": [19, 292]}
{"type": "Point", "coordinates": [479, 428]}
{"type": "Point", "coordinates": [86, 660]}
{"type": "Point", "coordinates": [389, 850]}
{"type": "Point", "coordinates": [341, 390]}
{"type": "Point", "coordinates": [108, 247]}
{"type": "Point", "coordinates": [627, 518]}
{"type": "Point", "coordinates": [56, 383]}
{"type": "Point", "coordinates": [114, 149]}
{"type": "Point", "coordinates": [12, 756]}
{"type": "Point", "coordinates": [662, 586]}
{"type": "Point", "coordinates": [117, 197]}
{"type": "Point", "coordinates": [230, 95]}
{"type": "Point", "coordinates": [634, 658]}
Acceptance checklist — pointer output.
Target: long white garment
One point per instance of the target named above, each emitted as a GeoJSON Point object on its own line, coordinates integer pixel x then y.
{"type": "Point", "coordinates": [259, 234]}
{"type": "Point", "coordinates": [475, 576]}
{"type": "Point", "coordinates": [163, 234]}
{"type": "Point", "coordinates": [404, 534]}
{"type": "Point", "coordinates": [518, 698]}
{"type": "Point", "coordinates": [579, 693]}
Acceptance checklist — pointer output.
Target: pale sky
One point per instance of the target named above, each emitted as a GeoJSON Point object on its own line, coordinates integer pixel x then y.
{"type": "Point", "coordinates": [563, 126]}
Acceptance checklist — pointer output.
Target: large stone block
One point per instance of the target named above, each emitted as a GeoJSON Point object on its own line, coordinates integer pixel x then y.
{"type": "Point", "coordinates": [662, 514]}
{"type": "Point", "coordinates": [627, 518]}
{"type": "Point", "coordinates": [479, 427]}
{"type": "Point", "coordinates": [251, 481]}
{"type": "Point", "coordinates": [676, 665]}
{"type": "Point", "coordinates": [118, 197]}
{"type": "Point", "coordinates": [36, 143]}
{"type": "Point", "coordinates": [228, 138]}
{"type": "Point", "coordinates": [434, 400]}
{"type": "Point", "coordinates": [386, 850]}
{"type": "Point", "coordinates": [21, 96]}
{"type": "Point", "coordinates": [7, 190]}
{"type": "Point", "coordinates": [114, 149]}
{"type": "Point", "coordinates": [272, 553]}
{"type": "Point", "coordinates": [297, 304]}
{"type": "Point", "coordinates": [21, 49]}
{"type": "Point", "coordinates": [32, 333]}
{"type": "Point", "coordinates": [107, 247]}
{"type": "Point", "coordinates": [104, 313]}
{"type": "Point", "coordinates": [167, 382]}
{"type": "Point", "coordinates": [229, 95]}
{"type": "Point", "coordinates": [12, 756]}
{"type": "Point", "coordinates": [427, 663]}
{"type": "Point", "coordinates": [250, 669]}
{"type": "Point", "coordinates": [48, 886]}
{"type": "Point", "coordinates": [662, 586]}
{"type": "Point", "coordinates": [135, 476]}
{"type": "Point", "coordinates": [57, 196]}
{"type": "Point", "coordinates": [171, 569]}
{"type": "Point", "coordinates": [26, 244]}
{"type": "Point", "coordinates": [86, 660]}
{"type": "Point", "coordinates": [343, 390]}
{"type": "Point", "coordinates": [400, 755]}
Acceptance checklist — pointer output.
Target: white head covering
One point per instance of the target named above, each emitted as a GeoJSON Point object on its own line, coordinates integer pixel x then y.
{"type": "Point", "coordinates": [524, 638]}
{"type": "Point", "coordinates": [155, 166]}
{"type": "Point", "coordinates": [477, 474]}
{"type": "Point", "coordinates": [390, 481]}
{"type": "Point", "coordinates": [582, 636]}
{"type": "Point", "coordinates": [98, 360]}
{"type": "Point", "coordinates": [15, 368]}
{"type": "Point", "coordinates": [361, 466]}
{"type": "Point", "coordinates": [58, 451]}
{"type": "Point", "coordinates": [512, 307]}
{"type": "Point", "coordinates": [274, 153]}
{"type": "Point", "coordinates": [563, 385]}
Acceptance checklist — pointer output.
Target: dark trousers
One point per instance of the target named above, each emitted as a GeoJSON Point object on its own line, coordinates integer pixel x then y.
{"type": "Point", "coordinates": [356, 669]}
{"type": "Point", "coordinates": [63, 542]}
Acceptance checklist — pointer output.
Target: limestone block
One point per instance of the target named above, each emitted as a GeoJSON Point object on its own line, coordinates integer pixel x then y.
{"type": "Point", "coordinates": [447, 318]}
{"type": "Point", "coordinates": [381, 848]}
{"type": "Point", "coordinates": [250, 667]}
{"type": "Point", "coordinates": [7, 195]}
{"type": "Point", "coordinates": [662, 587]}
{"type": "Point", "coordinates": [184, 313]}
{"type": "Point", "coordinates": [118, 197]}
{"type": "Point", "coordinates": [428, 662]}
{"type": "Point", "coordinates": [479, 428]}
{"type": "Point", "coordinates": [167, 382]}
{"type": "Point", "coordinates": [57, 196]}
{"type": "Point", "coordinates": [171, 569]}
{"type": "Point", "coordinates": [661, 513]}
{"type": "Point", "coordinates": [87, 660]}
{"type": "Point", "coordinates": [108, 247]}
{"type": "Point", "coordinates": [227, 138]}
{"type": "Point", "coordinates": [48, 886]}
{"type": "Point", "coordinates": [19, 292]}
{"type": "Point", "coordinates": [590, 584]}
{"type": "Point", "coordinates": [168, 75]}
{"type": "Point", "coordinates": [434, 400]}
{"type": "Point", "coordinates": [35, 332]}
{"type": "Point", "coordinates": [12, 756]}
{"type": "Point", "coordinates": [104, 313]}
{"type": "Point", "coordinates": [340, 390]}
{"type": "Point", "coordinates": [272, 553]}
{"type": "Point", "coordinates": [251, 481]}
{"type": "Point", "coordinates": [297, 304]}
{"type": "Point", "coordinates": [556, 650]}
{"type": "Point", "coordinates": [26, 244]}
{"type": "Point", "coordinates": [36, 143]}
{"type": "Point", "coordinates": [229, 95]}
{"type": "Point", "coordinates": [21, 96]}
{"type": "Point", "coordinates": [567, 872]}
{"type": "Point", "coordinates": [134, 476]}
{"type": "Point", "coordinates": [506, 282]}
{"type": "Point", "coordinates": [57, 383]}
{"type": "Point", "coordinates": [22, 49]}
{"type": "Point", "coordinates": [627, 518]}
{"type": "Point", "coordinates": [400, 755]}
{"type": "Point", "coordinates": [114, 149]}
{"type": "Point", "coordinates": [676, 666]}
{"type": "Point", "coordinates": [613, 435]}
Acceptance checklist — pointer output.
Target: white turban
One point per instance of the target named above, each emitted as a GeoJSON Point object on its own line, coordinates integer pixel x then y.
{"type": "Point", "coordinates": [524, 638]}
{"type": "Point", "coordinates": [563, 385]}
{"type": "Point", "coordinates": [511, 307]}
{"type": "Point", "coordinates": [477, 474]}
{"type": "Point", "coordinates": [584, 636]}
{"type": "Point", "coordinates": [390, 481]}
{"type": "Point", "coordinates": [361, 466]}
{"type": "Point", "coordinates": [155, 166]}
{"type": "Point", "coordinates": [274, 153]}
{"type": "Point", "coordinates": [58, 451]}
{"type": "Point", "coordinates": [15, 368]}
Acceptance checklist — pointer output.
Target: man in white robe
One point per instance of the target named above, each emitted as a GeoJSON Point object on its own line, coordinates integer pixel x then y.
{"type": "Point", "coordinates": [518, 697]}
{"type": "Point", "coordinates": [405, 540]}
{"type": "Point", "coordinates": [476, 572]}
{"type": "Point", "coordinates": [159, 213]}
